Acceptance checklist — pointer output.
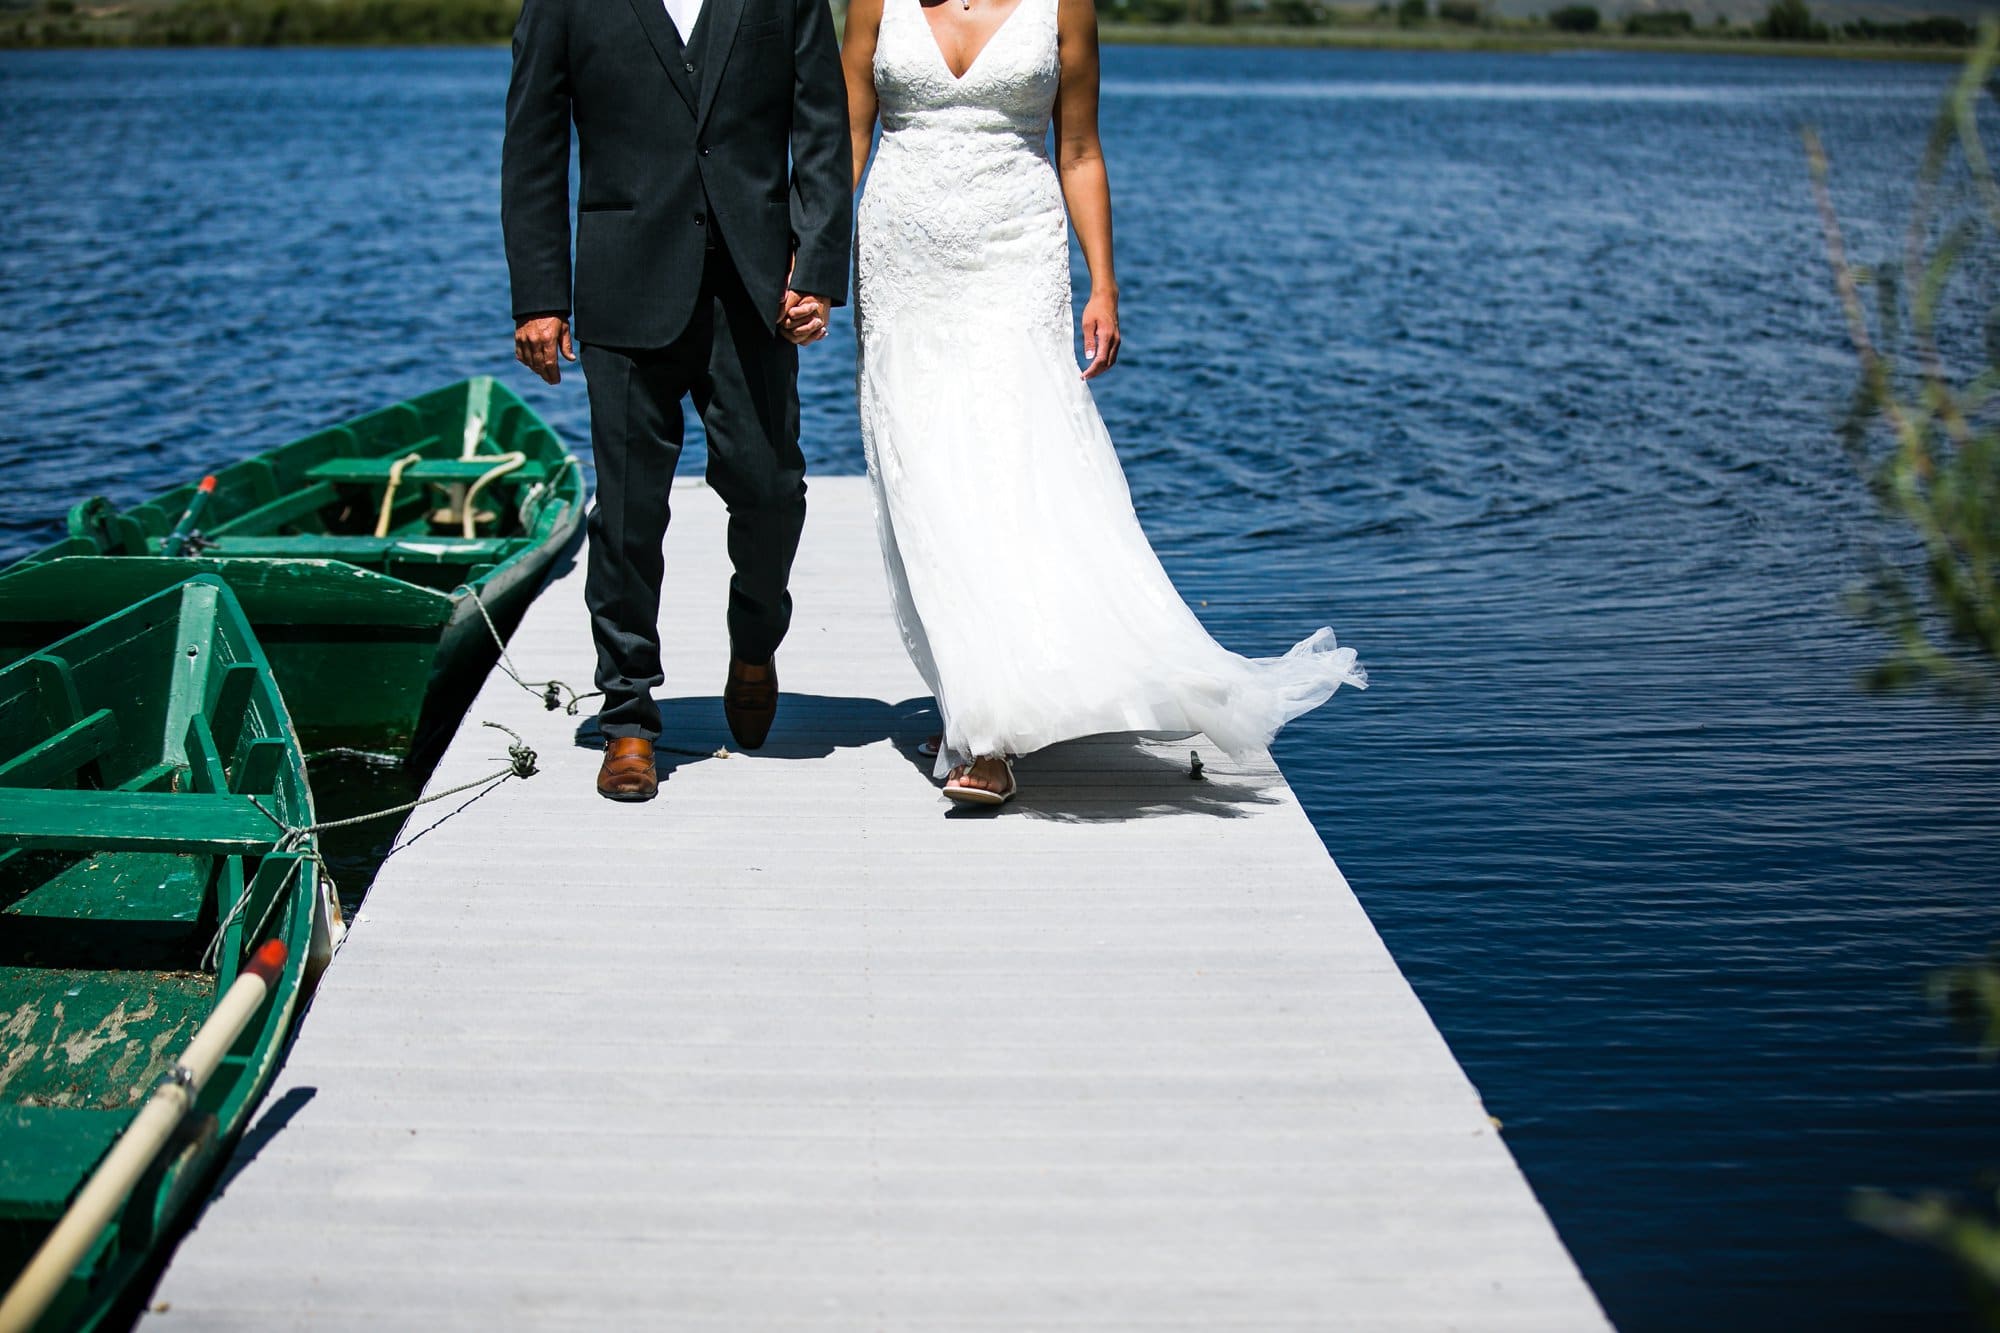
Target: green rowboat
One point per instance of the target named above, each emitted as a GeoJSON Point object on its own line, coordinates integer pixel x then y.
{"type": "Point", "coordinates": [356, 552]}
{"type": "Point", "coordinates": [146, 767]}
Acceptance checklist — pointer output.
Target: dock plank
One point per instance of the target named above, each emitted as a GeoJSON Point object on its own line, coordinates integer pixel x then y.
{"type": "Point", "coordinates": [793, 1048]}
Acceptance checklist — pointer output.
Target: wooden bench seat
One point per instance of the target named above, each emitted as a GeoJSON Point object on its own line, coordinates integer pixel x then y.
{"type": "Point", "coordinates": [49, 1153]}
{"type": "Point", "coordinates": [368, 470]}
{"type": "Point", "coordinates": [62, 754]}
{"type": "Point", "coordinates": [367, 550]}
{"type": "Point", "coordinates": [219, 824]}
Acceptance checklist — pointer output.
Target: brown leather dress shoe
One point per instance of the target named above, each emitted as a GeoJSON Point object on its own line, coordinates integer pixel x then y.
{"type": "Point", "coordinates": [750, 701]}
{"type": "Point", "coordinates": [627, 773]}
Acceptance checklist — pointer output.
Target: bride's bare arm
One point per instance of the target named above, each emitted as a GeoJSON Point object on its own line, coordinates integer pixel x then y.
{"type": "Point", "coordinates": [857, 61]}
{"type": "Point", "coordinates": [1086, 188]}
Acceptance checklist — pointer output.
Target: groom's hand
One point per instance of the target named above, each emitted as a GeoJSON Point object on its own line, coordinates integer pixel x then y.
{"type": "Point", "coordinates": [537, 342]}
{"type": "Point", "coordinates": [803, 320]}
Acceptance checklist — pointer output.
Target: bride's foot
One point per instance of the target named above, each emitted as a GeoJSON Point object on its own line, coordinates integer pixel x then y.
{"type": "Point", "coordinates": [987, 781]}
{"type": "Point", "coordinates": [929, 749]}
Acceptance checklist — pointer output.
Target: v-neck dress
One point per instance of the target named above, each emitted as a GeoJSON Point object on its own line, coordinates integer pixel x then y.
{"type": "Point", "coordinates": [1028, 595]}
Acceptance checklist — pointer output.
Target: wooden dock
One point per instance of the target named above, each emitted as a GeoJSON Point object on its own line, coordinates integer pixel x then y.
{"type": "Point", "coordinates": [793, 1048]}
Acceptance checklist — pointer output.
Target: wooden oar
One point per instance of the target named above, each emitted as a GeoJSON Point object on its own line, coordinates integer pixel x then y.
{"type": "Point", "coordinates": [99, 1200]}
{"type": "Point", "coordinates": [185, 531]}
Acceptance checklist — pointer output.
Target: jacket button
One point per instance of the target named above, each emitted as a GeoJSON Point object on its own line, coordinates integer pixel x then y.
{"type": "Point", "coordinates": [697, 219]}
{"type": "Point", "coordinates": [704, 150]}
{"type": "Point", "coordinates": [689, 66]}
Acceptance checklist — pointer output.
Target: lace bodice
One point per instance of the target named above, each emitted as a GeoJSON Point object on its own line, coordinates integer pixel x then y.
{"type": "Point", "coordinates": [962, 209]}
{"type": "Point", "coordinates": [1011, 84]}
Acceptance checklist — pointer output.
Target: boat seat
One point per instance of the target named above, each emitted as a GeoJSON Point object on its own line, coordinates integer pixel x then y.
{"type": "Point", "coordinates": [105, 888]}
{"type": "Point", "coordinates": [56, 757]}
{"type": "Point", "coordinates": [50, 1150]}
{"type": "Point", "coordinates": [365, 470]}
{"type": "Point", "coordinates": [293, 508]}
{"type": "Point", "coordinates": [217, 824]}
{"type": "Point", "coordinates": [366, 550]}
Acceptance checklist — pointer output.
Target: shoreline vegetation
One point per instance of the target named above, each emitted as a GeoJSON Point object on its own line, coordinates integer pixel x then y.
{"type": "Point", "coordinates": [1787, 29]}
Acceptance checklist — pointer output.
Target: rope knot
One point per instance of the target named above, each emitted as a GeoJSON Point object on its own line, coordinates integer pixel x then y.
{"type": "Point", "coordinates": [520, 755]}
{"type": "Point", "coordinates": [524, 760]}
{"type": "Point", "coordinates": [550, 692]}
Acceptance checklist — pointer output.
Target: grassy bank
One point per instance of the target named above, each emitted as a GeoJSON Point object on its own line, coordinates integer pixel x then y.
{"type": "Point", "coordinates": [1526, 38]}
{"type": "Point", "coordinates": [65, 23]}
{"type": "Point", "coordinates": [61, 23]}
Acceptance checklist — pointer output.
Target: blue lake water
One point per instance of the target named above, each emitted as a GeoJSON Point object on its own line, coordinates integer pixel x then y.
{"type": "Point", "coordinates": [1521, 371]}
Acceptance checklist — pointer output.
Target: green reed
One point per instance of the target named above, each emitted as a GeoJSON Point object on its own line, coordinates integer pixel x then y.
{"type": "Point", "coordinates": [1924, 428]}
{"type": "Point", "coordinates": [1923, 424]}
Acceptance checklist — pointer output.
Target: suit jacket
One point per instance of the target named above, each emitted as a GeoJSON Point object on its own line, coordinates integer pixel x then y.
{"type": "Point", "coordinates": [744, 133]}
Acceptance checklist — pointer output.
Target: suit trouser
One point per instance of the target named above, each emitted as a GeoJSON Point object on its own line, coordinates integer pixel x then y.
{"type": "Point", "coordinates": [743, 378]}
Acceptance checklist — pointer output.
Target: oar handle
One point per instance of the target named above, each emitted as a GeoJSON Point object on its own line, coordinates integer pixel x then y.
{"type": "Point", "coordinates": [99, 1200]}
{"type": "Point", "coordinates": [176, 542]}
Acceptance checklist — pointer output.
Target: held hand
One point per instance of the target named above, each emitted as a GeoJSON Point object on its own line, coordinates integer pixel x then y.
{"type": "Point", "coordinates": [804, 317]}
{"type": "Point", "coordinates": [1100, 333]}
{"type": "Point", "coordinates": [539, 341]}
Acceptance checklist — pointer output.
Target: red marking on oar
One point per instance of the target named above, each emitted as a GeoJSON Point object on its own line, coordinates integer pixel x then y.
{"type": "Point", "coordinates": [268, 961]}
{"type": "Point", "coordinates": [207, 486]}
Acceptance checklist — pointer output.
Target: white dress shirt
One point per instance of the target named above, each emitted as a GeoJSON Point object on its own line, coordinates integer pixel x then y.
{"type": "Point", "coordinates": [684, 13]}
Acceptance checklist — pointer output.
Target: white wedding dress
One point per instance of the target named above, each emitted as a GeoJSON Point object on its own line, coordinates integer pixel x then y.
{"type": "Point", "coordinates": [1029, 597]}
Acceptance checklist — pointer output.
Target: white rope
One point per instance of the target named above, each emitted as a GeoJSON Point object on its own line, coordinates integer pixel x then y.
{"type": "Point", "coordinates": [468, 512]}
{"type": "Point", "coordinates": [389, 491]}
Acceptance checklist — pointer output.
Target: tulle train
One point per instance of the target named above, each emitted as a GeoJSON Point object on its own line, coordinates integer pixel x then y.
{"type": "Point", "coordinates": [1028, 595]}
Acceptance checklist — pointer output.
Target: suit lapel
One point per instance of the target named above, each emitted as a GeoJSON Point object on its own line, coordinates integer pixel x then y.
{"type": "Point", "coordinates": [666, 45]}
{"type": "Point", "coordinates": [718, 24]}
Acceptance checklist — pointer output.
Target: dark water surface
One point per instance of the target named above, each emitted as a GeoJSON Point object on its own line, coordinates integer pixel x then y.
{"type": "Point", "coordinates": [1519, 370]}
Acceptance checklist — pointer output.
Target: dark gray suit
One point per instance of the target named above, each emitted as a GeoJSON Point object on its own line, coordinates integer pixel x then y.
{"type": "Point", "coordinates": [708, 170]}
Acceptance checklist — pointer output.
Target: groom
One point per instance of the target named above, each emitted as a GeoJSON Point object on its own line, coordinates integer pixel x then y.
{"type": "Point", "coordinates": [713, 225]}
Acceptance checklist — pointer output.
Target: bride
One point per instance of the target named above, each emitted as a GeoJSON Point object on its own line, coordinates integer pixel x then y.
{"type": "Point", "coordinates": [1029, 598]}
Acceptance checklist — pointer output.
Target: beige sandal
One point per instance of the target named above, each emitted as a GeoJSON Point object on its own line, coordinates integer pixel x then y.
{"type": "Point", "coordinates": [955, 791]}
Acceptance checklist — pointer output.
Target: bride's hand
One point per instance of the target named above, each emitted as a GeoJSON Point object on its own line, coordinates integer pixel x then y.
{"type": "Point", "coordinates": [1100, 333]}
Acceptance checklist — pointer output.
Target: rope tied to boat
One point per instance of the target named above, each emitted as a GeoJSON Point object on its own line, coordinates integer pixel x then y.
{"type": "Point", "coordinates": [551, 691]}
{"type": "Point", "coordinates": [389, 491]}
{"type": "Point", "coordinates": [468, 511]}
{"type": "Point", "coordinates": [536, 494]}
{"type": "Point", "coordinates": [521, 761]}
{"type": "Point", "coordinates": [297, 839]}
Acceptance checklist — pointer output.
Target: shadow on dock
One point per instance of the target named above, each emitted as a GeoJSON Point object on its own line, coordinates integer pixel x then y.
{"type": "Point", "coordinates": [270, 1123]}
{"type": "Point", "coordinates": [1098, 779]}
